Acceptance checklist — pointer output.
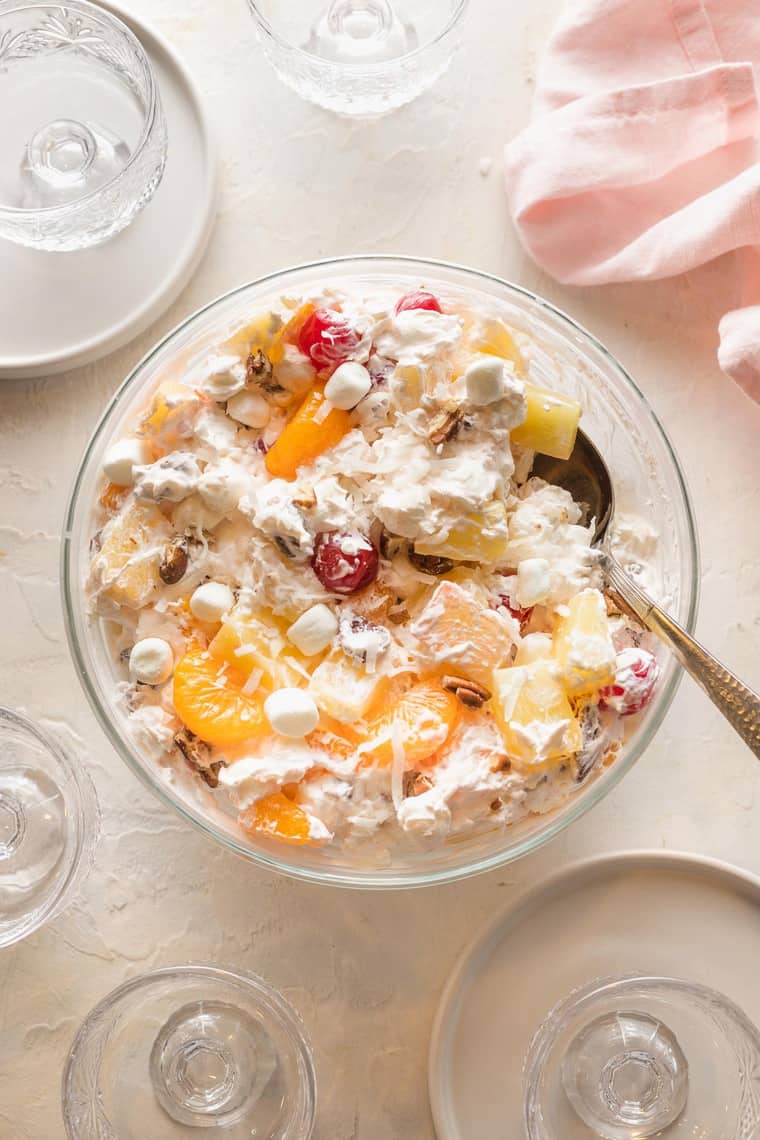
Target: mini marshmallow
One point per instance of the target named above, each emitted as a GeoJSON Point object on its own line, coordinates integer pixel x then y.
{"type": "Point", "coordinates": [291, 712]}
{"type": "Point", "coordinates": [211, 601]}
{"type": "Point", "coordinates": [314, 630]}
{"type": "Point", "coordinates": [122, 458]}
{"type": "Point", "coordinates": [349, 383]}
{"type": "Point", "coordinates": [485, 380]}
{"type": "Point", "coordinates": [151, 661]}
{"type": "Point", "coordinates": [534, 647]}
{"type": "Point", "coordinates": [249, 408]}
{"type": "Point", "coordinates": [534, 581]}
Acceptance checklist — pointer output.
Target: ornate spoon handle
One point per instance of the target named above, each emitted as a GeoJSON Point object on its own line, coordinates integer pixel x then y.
{"type": "Point", "coordinates": [738, 703]}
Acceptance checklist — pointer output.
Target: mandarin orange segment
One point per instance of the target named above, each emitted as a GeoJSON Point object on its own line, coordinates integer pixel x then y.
{"type": "Point", "coordinates": [460, 633]}
{"type": "Point", "coordinates": [420, 722]}
{"type": "Point", "coordinates": [209, 700]}
{"type": "Point", "coordinates": [278, 816]}
{"type": "Point", "coordinates": [309, 433]}
{"type": "Point", "coordinates": [112, 496]}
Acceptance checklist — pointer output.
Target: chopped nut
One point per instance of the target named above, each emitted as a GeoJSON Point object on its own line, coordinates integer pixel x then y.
{"type": "Point", "coordinates": [390, 545]}
{"type": "Point", "coordinates": [470, 693]}
{"type": "Point", "coordinates": [258, 367]}
{"type": "Point", "coordinates": [415, 783]}
{"type": "Point", "coordinates": [305, 499]}
{"type": "Point", "coordinates": [287, 545]}
{"type": "Point", "coordinates": [495, 805]}
{"type": "Point", "coordinates": [259, 371]}
{"type": "Point", "coordinates": [198, 756]}
{"type": "Point", "coordinates": [173, 562]}
{"type": "Point", "coordinates": [501, 763]}
{"type": "Point", "coordinates": [445, 424]}
{"type": "Point", "coordinates": [430, 563]}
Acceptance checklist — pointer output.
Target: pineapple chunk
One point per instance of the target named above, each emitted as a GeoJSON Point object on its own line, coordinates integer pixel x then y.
{"type": "Point", "coordinates": [254, 642]}
{"type": "Point", "coordinates": [407, 386]}
{"type": "Point", "coordinates": [551, 423]}
{"type": "Point", "coordinates": [262, 331]}
{"type": "Point", "coordinates": [343, 689]}
{"type": "Point", "coordinates": [125, 570]}
{"type": "Point", "coordinates": [306, 436]}
{"type": "Point", "coordinates": [458, 632]}
{"type": "Point", "coordinates": [534, 715]}
{"type": "Point", "coordinates": [493, 337]}
{"type": "Point", "coordinates": [478, 537]}
{"type": "Point", "coordinates": [583, 647]}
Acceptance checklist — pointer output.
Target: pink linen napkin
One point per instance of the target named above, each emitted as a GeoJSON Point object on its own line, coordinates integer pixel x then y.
{"type": "Point", "coordinates": [642, 159]}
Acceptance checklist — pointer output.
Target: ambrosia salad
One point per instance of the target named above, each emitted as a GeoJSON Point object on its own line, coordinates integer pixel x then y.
{"type": "Point", "coordinates": [333, 590]}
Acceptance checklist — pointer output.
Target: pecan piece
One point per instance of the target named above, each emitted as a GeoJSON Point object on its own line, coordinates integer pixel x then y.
{"type": "Point", "coordinates": [305, 499]}
{"type": "Point", "coordinates": [470, 693]}
{"type": "Point", "coordinates": [389, 544]}
{"type": "Point", "coordinates": [445, 424]}
{"type": "Point", "coordinates": [501, 763]}
{"type": "Point", "coordinates": [429, 563]}
{"type": "Point", "coordinates": [173, 562]}
{"type": "Point", "coordinates": [197, 756]}
{"type": "Point", "coordinates": [258, 367]}
{"type": "Point", "coordinates": [415, 783]}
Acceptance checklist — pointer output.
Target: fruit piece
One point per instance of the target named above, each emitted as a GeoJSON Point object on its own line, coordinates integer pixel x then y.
{"type": "Point", "coordinates": [344, 562]}
{"type": "Point", "coordinates": [342, 688]}
{"type": "Point", "coordinates": [420, 722]}
{"type": "Point", "coordinates": [636, 673]}
{"type": "Point", "coordinates": [171, 417]}
{"type": "Point", "coordinates": [306, 436]}
{"type": "Point", "coordinates": [456, 630]}
{"type": "Point", "coordinates": [551, 423]}
{"type": "Point", "coordinates": [493, 338]}
{"type": "Point", "coordinates": [126, 567]}
{"type": "Point", "coordinates": [210, 702]}
{"type": "Point", "coordinates": [583, 646]}
{"type": "Point", "coordinates": [328, 338]}
{"type": "Point", "coordinates": [481, 536]}
{"type": "Point", "coordinates": [520, 614]}
{"type": "Point", "coordinates": [263, 331]}
{"type": "Point", "coordinates": [255, 642]}
{"type": "Point", "coordinates": [418, 299]}
{"type": "Point", "coordinates": [534, 715]}
{"type": "Point", "coordinates": [113, 495]}
{"type": "Point", "coordinates": [278, 816]}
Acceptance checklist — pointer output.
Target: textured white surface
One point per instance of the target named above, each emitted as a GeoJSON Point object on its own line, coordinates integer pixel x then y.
{"type": "Point", "coordinates": [365, 971]}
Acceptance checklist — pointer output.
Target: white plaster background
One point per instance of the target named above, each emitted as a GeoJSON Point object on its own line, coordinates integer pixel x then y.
{"type": "Point", "coordinates": [364, 970]}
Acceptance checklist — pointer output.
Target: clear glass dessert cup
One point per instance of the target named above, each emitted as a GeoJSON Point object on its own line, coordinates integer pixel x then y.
{"type": "Point", "coordinates": [85, 147]}
{"type": "Point", "coordinates": [48, 826]}
{"type": "Point", "coordinates": [359, 57]}
{"type": "Point", "coordinates": [647, 480]}
{"type": "Point", "coordinates": [626, 1058]}
{"type": "Point", "coordinates": [183, 1050]}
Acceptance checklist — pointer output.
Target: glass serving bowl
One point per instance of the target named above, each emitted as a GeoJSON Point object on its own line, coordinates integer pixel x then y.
{"type": "Point", "coordinates": [359, 57]}
{"type": "Point", "coordinates": [85, 148]}
{"type": "Point", "coordinates": [647, 479]}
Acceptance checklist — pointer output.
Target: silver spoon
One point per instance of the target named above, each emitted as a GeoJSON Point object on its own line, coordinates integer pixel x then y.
{"type": "Point", "coordinates": [586, 477]}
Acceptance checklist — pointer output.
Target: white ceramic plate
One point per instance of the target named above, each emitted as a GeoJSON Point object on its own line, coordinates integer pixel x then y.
{"type": "Point", "coordinates": [61, 310]}
{"type": "Point", "coordinates": [649, 912]}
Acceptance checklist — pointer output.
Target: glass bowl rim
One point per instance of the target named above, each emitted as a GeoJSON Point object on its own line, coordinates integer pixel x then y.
{"type": "Point", "coordinates": [275, 1002]}
{"type": "Point", "coordinates": [372, 66]}
{"type": "Point", "coordinates": [379, 879]}
{"type": "Point", "coordinates": [152, 112]}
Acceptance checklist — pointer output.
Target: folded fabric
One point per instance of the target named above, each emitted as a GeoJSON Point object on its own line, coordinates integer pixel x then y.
{"type": "Point", "coordinates": [642, 159]}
